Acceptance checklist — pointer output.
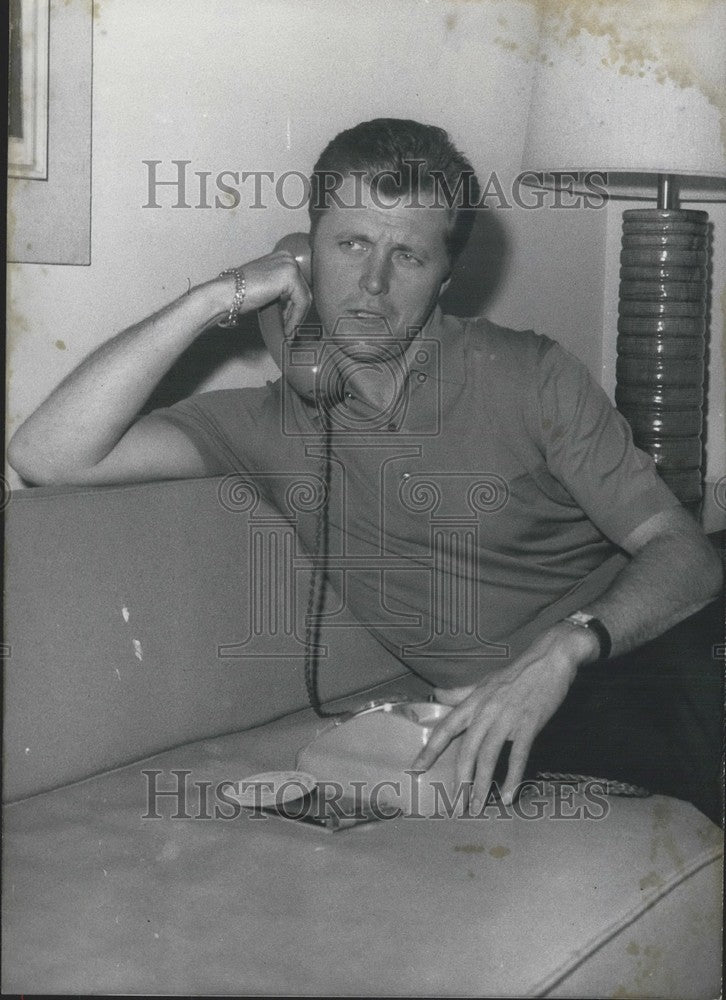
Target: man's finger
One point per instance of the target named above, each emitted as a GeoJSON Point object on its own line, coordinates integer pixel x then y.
{"type": "Point", "coordinates": [295, 311]}
{"type": "Point", "coordinates": [486, 761]}
{"type": "Point", "coordinates": [441, 735]}
{"type": "Point", "coordinates": [471, 744]}
{"type": "Point", "coordinates": [518, 757]}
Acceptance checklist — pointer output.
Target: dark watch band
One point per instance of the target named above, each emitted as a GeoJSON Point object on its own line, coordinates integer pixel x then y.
{"type": "Point", "coordinates": [582, 620]}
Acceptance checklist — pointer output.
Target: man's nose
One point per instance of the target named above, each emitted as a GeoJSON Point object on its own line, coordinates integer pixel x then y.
{"type": "Point", "coordinates": [375, 278]}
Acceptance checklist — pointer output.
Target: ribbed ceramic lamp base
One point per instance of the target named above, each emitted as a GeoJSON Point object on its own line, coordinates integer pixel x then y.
{"type": "Point", "coordinates": [661, 340]}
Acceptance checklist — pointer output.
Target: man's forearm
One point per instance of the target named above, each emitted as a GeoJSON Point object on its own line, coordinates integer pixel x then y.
{"type": "Point", "coordinates": [84, 417]}
{"type": "Point", "coordinates": [671, 574]}
{"type": "Point", "coordinates": [669, 577]}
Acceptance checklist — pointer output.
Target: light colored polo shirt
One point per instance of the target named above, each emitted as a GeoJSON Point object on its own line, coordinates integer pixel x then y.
{"type": "Point", "coordinates": [486, 504]}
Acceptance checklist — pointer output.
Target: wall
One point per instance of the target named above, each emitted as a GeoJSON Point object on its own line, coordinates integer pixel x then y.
{"type": "Point", "coordinates": [262, 85]}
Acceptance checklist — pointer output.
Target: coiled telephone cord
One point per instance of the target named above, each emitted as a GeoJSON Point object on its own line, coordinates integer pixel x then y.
{"type": "Point", "coordinates": [316, 588]}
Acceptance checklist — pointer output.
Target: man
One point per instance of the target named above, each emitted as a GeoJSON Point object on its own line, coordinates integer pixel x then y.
{"type": "Point", "coordinates": [436, 416]}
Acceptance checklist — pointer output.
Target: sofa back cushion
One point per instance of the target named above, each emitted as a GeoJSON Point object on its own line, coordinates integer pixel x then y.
{"type": "Point", "coordinates": [142, 617]}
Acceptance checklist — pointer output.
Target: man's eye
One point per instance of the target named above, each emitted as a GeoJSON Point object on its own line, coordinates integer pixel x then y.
{"type": "Point", "coordinates": [409, 258]}
{"type": "Point", "coordinates": [351, 245]}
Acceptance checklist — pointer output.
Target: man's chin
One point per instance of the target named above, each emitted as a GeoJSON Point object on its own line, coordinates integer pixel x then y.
{"type": "Point", "coordinates": [376, 341]}
{"type": "Point", "coordinates": [364, 327]}
{"type": "Point", "coordinates": [374, 352]}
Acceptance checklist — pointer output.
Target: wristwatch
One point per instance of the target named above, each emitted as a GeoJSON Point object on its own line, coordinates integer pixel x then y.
{"type": "Point", "coordinates": [580, 619]}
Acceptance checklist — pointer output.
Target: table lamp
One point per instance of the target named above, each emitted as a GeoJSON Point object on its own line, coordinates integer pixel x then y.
{"type": "Point", "coordinates": [635, 90]}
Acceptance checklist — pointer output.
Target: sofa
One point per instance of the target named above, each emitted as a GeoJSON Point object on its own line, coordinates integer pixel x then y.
{"type": "Point", "coordinates": [146, 646]}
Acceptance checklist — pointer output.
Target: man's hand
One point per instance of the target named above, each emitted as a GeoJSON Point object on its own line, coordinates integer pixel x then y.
{"type": "Point", "coordinates": [513, 703]}
{"type": "Point", "coordinates": [276, 277]}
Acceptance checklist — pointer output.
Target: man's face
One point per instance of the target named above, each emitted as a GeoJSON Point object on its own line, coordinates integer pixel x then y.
{"type": "Point", "coordinates": [377, 271]}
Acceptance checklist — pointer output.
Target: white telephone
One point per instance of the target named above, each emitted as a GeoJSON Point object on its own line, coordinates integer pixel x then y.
{"type": "Point", "coordinates": [375, 747]}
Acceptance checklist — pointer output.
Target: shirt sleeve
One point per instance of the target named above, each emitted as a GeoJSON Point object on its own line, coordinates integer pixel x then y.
{"type": "Point", "coordinates": [588, 446]}
{"type": "Point", "coordinates": [218, 423]}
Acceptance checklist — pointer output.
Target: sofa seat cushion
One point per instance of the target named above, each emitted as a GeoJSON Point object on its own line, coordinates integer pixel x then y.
{"type": "Point", "coordinates": [100, 899]}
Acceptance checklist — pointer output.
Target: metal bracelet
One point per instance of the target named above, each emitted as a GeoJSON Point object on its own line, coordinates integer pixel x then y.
{"type": "Point", "coordinates": [239, 296]}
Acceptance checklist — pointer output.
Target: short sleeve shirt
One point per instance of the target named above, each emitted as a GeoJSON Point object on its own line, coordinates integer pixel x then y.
{"type": "Point", "coordinates": [485, 503]}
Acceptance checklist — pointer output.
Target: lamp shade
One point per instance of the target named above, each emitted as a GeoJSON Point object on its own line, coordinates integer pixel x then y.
{"type": "Point", "coordinates": [632, 87]}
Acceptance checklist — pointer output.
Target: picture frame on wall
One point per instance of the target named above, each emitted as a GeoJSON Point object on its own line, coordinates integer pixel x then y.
{"type": "Point", "coordinates": [28, 89]}
{"type": "Point", "coordinates": [49, 115]}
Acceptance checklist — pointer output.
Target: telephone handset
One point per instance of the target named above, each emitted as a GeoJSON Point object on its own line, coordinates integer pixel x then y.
{"type": "Point", "coordinates": [317, 367]}
{"type": "Point", "coordinates": [302, 376]}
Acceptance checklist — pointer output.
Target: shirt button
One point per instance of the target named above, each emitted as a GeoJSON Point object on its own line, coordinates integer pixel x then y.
{"type": "Point", "coordinates": [422, 376]}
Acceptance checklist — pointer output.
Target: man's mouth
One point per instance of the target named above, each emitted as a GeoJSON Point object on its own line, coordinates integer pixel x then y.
{"type": "Point", "coordinates": [365, 313]}
{"type": "Point", "coordinates": [368, 320]}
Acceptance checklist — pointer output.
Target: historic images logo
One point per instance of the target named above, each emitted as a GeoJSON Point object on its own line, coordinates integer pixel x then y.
{"type": "Point", "coordinates": [233, 799]}
{"type": "Point", "coordinates": [173, 184]}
